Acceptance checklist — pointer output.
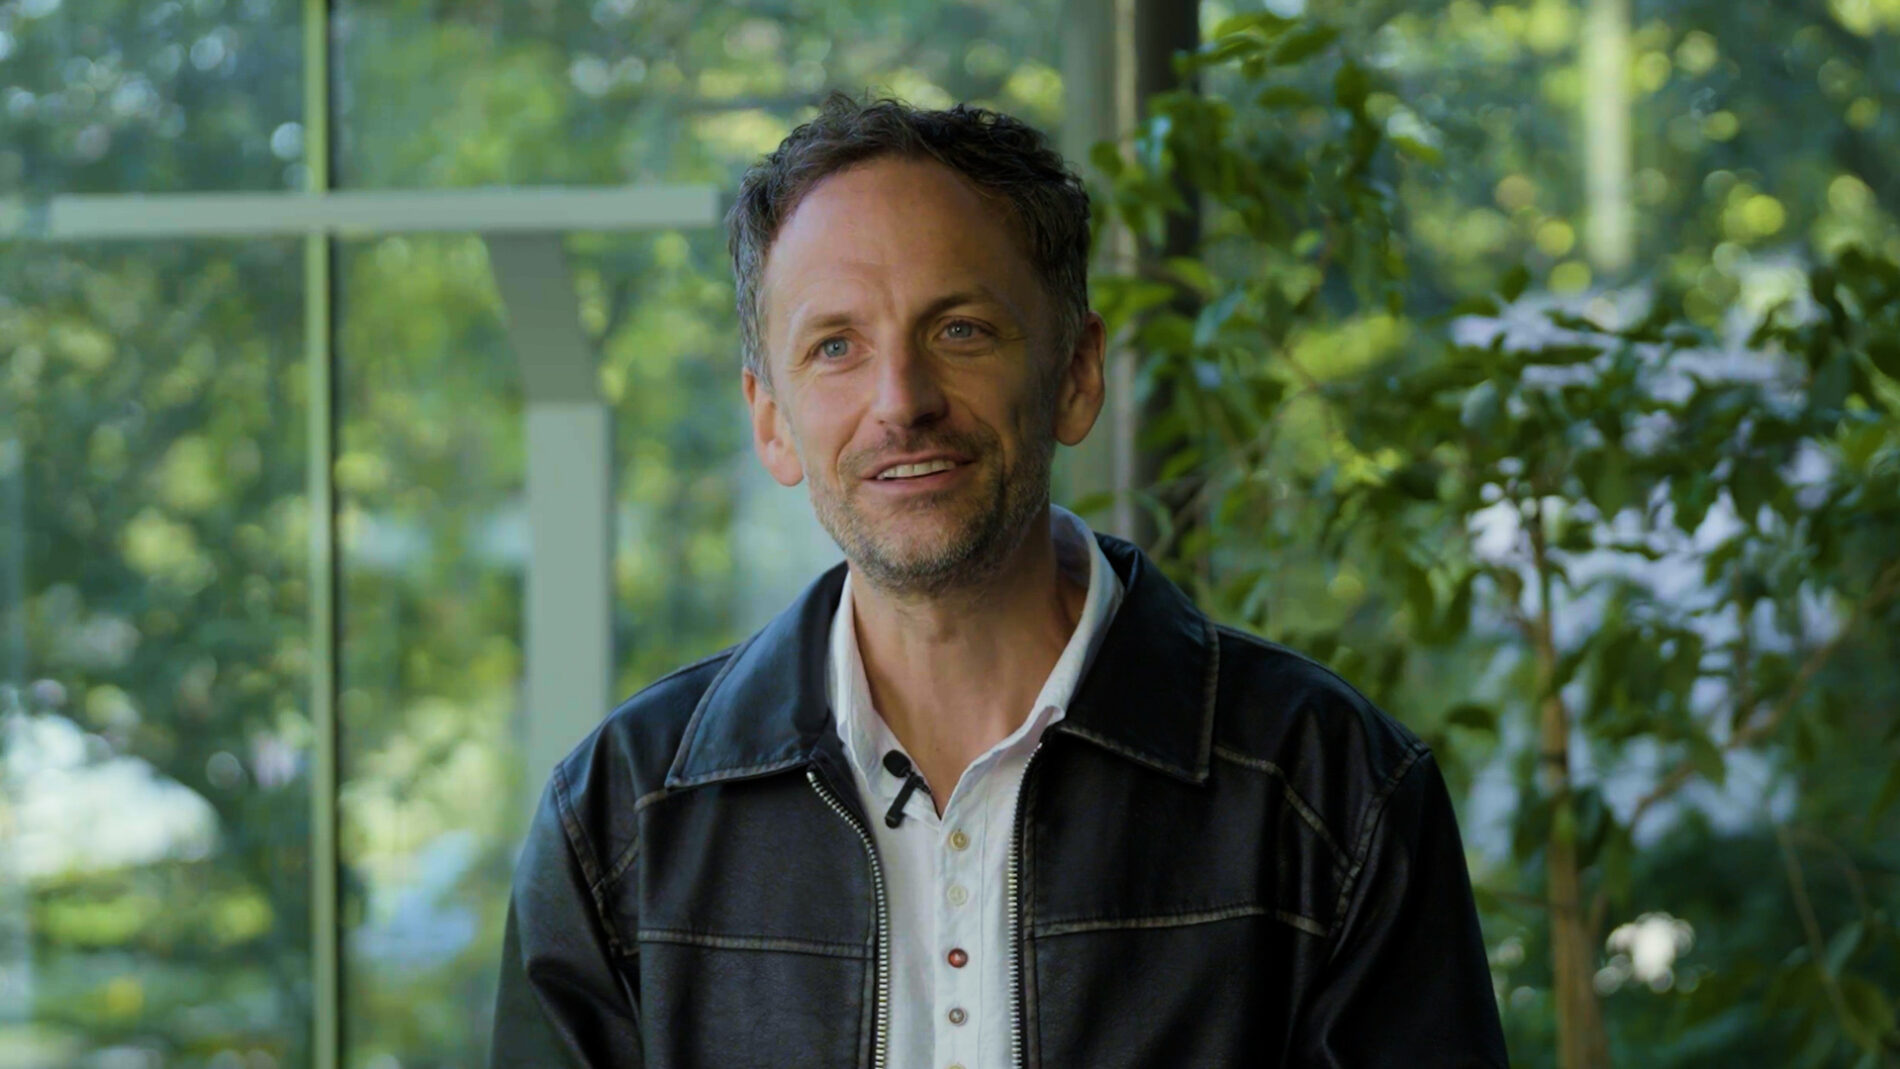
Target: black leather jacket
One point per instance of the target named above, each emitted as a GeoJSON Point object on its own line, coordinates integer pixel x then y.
{"type": "Point", "coordinates": [1224, 856]}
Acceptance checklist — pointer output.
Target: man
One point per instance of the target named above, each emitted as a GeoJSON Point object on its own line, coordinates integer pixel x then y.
{"type": "Point", "coordinates": [993, 792]}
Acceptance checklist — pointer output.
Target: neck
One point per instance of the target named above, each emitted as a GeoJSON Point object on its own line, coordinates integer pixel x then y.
{"type": "Point", "coordinates": [955, 673]}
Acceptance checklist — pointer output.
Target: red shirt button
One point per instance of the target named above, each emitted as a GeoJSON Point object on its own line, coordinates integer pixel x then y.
{"type": "Point", "coordinates": [958, 958]}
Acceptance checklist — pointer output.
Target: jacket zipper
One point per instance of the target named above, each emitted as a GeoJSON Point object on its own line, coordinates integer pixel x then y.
{"type": "Point", "coordinates": [883, 966]}
{"type": "Point", "coordinates": [1018, 1042]}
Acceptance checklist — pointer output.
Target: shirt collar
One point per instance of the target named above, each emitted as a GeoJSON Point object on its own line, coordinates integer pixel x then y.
{"type": "Point", "coordinates": [866, 735]}
{"type": "Point", "coordinates": [1148, 696]}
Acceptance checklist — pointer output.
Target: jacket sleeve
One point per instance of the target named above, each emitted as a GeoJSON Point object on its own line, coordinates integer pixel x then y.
{"type": "Point", "coordinates": [1408, 983]}
{"type": "Point", "coordinates": [564, 999]}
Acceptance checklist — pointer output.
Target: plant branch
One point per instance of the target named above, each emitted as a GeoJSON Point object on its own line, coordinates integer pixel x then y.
{"type": "Point", "coordinates": [1883, 590]}
{"type": "Point", "coordinates": [1810, 927]}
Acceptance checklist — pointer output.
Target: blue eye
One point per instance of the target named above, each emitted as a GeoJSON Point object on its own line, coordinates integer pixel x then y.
{"type": "Point", "coordinates": [965, 325]}
{"type": "Point", "coordinates": [826, 347]}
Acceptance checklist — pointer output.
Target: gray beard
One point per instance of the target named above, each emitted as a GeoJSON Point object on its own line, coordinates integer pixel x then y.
{"type": "Point", "coordinates": [976, 549]}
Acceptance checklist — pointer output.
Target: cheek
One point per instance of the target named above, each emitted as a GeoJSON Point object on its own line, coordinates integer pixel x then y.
{"type": "Point", "coordinates": [825, 428]}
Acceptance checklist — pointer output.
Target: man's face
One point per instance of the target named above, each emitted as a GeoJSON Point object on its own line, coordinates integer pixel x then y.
{"type": "Point", "coordinates": [914, 374]}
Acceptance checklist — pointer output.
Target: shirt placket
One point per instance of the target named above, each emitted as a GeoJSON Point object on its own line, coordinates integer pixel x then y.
{"type": "Point", "coordinates": [961, 946]}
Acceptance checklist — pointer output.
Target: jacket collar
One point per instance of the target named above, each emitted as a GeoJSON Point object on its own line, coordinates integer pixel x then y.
{"type": "Point", "coordinates": [1148, 695]}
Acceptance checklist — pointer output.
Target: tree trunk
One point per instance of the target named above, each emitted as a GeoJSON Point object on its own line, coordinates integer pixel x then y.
{"type": "Point", "coordinates": [1581, 1041]}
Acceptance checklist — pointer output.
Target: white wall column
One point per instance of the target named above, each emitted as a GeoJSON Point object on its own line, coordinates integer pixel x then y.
{"type": "Point", "coordinates": [570, 499]}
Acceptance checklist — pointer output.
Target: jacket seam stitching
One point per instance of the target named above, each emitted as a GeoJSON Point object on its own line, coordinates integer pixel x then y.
{"type": "Point", "coordinates": [691, 734]}
{"type": "Point", "coordinates": [1210, 696]}
{"type": "Point", "coordinates": [1179, 920]}
{"type": "Point", "coordinates": [1375, 813]}
{"type": "Point", "coordinates": [1341, 859]}
{"type": "Point", "coordinates": [721, 774]}
{"type": "Point", "coordinates": [690, 937]}
{"type": "Point", "coordinates": [590, 865]}
{"type": "Point", "coordinates": [1139, 757]}
{"type": "Point", "coordinates": [650, 797]}
{"type": "Point", "coordinates": [620, 865]}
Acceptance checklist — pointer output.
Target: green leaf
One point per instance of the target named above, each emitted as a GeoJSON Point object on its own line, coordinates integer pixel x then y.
{"type": "Point", "coordinates": [1418, 595]}
{"type": "Point", "coordinates": [1479, 305]}
{"type": "Point", "coordinates": [1750, 491]}
{"type": "Point", "coordinates": [1351, 86]}
{"type": "Point", "coordinates": [1300, 44]}
{"type": "Point", "coordinates": [1107, 158]}
{"type": "Point", "coordinates": [1208, 324]}
{"type": "Point", "coordinates": [1262, 21]}
{"type": "Point", "coordinates": [1473, 716]}
{"type": "Point", "coordinates": [1870, 1008]}
{"type": "Point", "coordinates": [1832, 381]}
{"type": "Point", "coordinates": [1180, 463]}
{"type": "Point", "coordinates": [1884, 352]}
{"type": "Point", "coordinates": [1193, 272]}
{"type": "Point", "coordinates": [1514, 282]}
{"type": "Point", "coordinates": [1593, 822]}
{"type": "Point", "coordinates": [1457, 618]}
{"type": "Point", "coordinates": [1706, 758]}
{"type": "Point", "coordinates": [1418, 150]}
{"type": "Point", "coordinates": [1482, 412]}
{"type": "Point", "coordinates": [1889, 791]}
{"type": "Point", "coordinates": [1530, 829]}
{"type": "Point", "coordinates": [1224, 49]}
{"type": "Point", "coordinates": [1167, 332]}
{"type": "Point", "coordinates": [1842, 946]}
{"type": "Point", "coordinates": [1565, 355]}
{"type": "Point", "coordinates": [1575, 536]}
{"type": "Point", "coordinates": [1283, 96]}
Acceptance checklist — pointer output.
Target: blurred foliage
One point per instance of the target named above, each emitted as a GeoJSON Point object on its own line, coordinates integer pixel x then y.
{"type": "Point", "coordinates": [1643, 533]}
{"type": "Point", "coordinates": [1350, 366]}
{"type": "Point", "coordinates": [153, 520]}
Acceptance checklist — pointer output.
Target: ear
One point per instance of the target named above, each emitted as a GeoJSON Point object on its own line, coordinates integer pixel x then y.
{"type": "Point", "coordinates": [1081, 388]}
{"type": "Point", "coordinates": [771, 434]}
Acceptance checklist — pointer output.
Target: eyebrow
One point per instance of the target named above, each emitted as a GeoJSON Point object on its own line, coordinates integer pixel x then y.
{"type": "Point", "coordinates": [827, 320]}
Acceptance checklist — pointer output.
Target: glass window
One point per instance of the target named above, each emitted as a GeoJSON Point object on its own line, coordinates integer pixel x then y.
{"type": "Point", "coordinates": [154, 735]}
{"type": "Point", "coordinates": [125, 96]}
{"type": "Point", "coordinates": [617, 92]}
{"type": "Point", "coordinates": [436, 544]}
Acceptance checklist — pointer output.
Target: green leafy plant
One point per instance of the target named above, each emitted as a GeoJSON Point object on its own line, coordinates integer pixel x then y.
{"type": "Point", "coordinates": [1602, 541]}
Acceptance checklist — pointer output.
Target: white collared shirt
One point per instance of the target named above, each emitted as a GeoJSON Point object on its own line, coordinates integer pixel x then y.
{"type": "Point", "coordinates": [945, 876]}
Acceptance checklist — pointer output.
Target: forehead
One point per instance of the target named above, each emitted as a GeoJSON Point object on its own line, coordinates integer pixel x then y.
{"type": "Point", "coordinates": [898, 225]}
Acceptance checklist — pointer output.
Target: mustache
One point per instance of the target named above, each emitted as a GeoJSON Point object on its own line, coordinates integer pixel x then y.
{"type": "Point", "coordinates": [862, 462]}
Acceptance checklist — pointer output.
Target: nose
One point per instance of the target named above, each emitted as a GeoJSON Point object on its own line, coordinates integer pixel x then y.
{"type": "Point", "coordinates": [909, 390]}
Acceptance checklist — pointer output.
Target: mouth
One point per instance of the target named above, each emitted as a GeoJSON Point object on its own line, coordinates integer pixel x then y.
{"type": "Point", "coordinates": [917, 469]}
{"type": "Point", "coordinates": [927, 473]}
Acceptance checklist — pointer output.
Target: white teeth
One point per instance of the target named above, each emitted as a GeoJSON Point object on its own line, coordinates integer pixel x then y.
{"type": "Point", "coordinates": [907, 471]}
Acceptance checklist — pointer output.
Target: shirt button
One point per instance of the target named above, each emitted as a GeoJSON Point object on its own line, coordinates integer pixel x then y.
{"type": "Point", "coordinates": [958, 840]}
{"type": "Point", "coordinates": [957, 1016]}
{"type": "Point", "coordinates": [957, 958]}
{"type": "Point", "coordinates": [958, 894]}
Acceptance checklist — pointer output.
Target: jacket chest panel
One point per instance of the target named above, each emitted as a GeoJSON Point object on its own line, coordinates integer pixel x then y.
{"type": "Point", "coordinates": [1190, 995]}
{"type": "Point", "coordinates": [1170, 923]}
{"type": "Point", "coordinates": [710, 1007]}
{"type": "Point", "coordinates": [764, 860]}
{"type": "Point", "coordinates": [754, 904]}
{"type": "Point", "coordinates": [1114, 844]}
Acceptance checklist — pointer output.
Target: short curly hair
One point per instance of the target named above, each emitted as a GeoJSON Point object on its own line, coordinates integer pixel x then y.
{"type": "Point", "coordinates": [1003, 157]}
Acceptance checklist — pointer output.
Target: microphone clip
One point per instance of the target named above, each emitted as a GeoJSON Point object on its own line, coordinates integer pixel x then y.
{"type": "Point", "coordinates": [898, 765]}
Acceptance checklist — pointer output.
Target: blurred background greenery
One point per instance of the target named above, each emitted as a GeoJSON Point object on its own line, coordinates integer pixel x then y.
{"type": "Point", "coordinates": [1533, 363]}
